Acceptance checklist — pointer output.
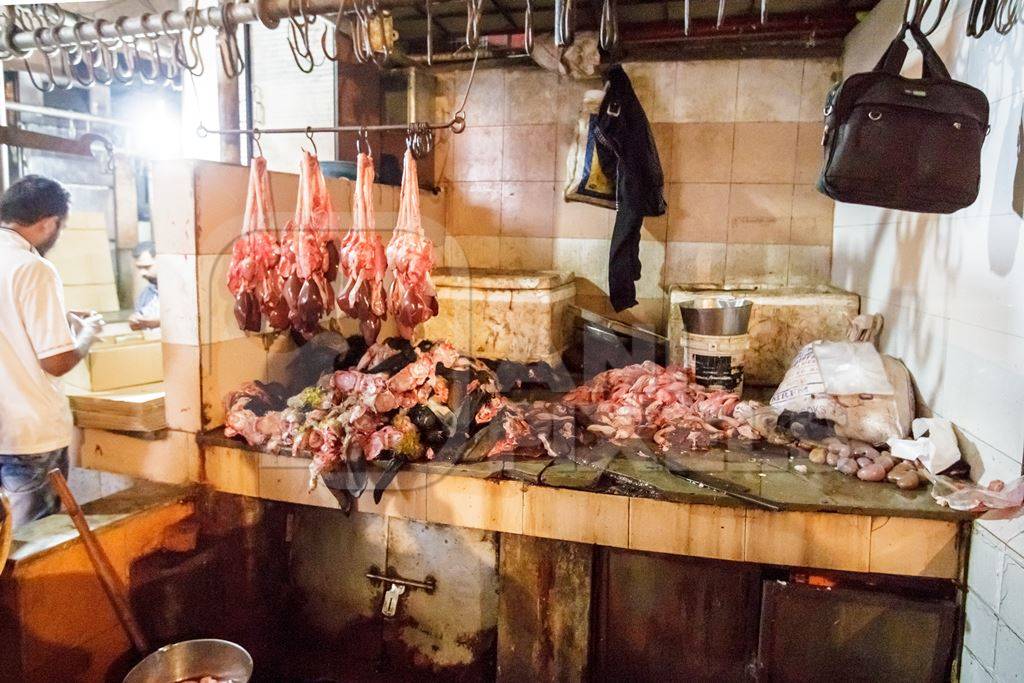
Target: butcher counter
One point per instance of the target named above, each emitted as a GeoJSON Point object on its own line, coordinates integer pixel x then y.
{"type": "Point", "coordinates": [825, 520]}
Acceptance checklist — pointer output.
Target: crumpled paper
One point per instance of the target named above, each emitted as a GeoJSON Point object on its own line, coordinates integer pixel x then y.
{"type": "Point", "coordinates": [934, 444]}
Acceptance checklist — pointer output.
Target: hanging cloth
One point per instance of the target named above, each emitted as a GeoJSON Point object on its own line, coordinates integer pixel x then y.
{"type": "Point", "coordinates": [639, 182]}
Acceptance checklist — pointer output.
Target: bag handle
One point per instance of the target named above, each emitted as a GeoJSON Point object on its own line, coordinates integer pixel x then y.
{"type": "Point", "coordinates": [896, 54]}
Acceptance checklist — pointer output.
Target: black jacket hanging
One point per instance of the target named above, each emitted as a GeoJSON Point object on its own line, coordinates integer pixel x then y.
{"type": "Point", "coordinates": [623, 127]}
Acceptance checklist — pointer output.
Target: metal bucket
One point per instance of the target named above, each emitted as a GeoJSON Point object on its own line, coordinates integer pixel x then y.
{"type": "Point", "coordinates": [717, 316]}
{"type": "Point", "coordinates": [193, 659]}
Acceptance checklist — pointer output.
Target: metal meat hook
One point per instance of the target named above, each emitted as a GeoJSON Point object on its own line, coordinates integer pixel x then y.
{"type": "Point", "coordinates": [528, 27]}
{"type": "Point", "coordinates": [363, 138]}
{"type": "Point", "coordinates": [309, 136]}
{"type": "Point", "coordinates": [338, 18]}
{"type": "Point", "coordinates": [298, 39]}
{"type": "Point", "coordinates": [255, 135]}
{"type": "Point", "coordinates": [609, 32]}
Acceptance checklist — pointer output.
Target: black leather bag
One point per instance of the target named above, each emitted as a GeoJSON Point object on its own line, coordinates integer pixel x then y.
{"type": "Point", "coordinates": [901, 143]}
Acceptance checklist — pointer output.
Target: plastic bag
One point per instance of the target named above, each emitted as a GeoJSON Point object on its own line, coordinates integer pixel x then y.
{"type": "Point", "coordinates": [591, 164]}
{"type": "Point", "coordinates": [864, 395]}
{"type": "Point", "coordinates": [964, 495]}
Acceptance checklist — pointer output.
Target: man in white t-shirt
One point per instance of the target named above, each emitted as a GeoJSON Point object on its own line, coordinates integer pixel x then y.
{"type": "Point", "coordinates": [39, 342]}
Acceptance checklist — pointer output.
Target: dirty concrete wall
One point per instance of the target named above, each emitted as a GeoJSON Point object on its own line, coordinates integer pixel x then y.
{"type": "Point", "coordinates": [451, 632]}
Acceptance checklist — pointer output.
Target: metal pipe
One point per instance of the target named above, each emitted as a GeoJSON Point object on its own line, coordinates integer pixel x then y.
{"type": "Point", "coordinates": [460, 57]}
{"type": "Point", "coordinates": [65, 114]}
{"type": "Point", "coordinates": [268, 12]}
{"type": "Point", "coordinates": [455, 124]}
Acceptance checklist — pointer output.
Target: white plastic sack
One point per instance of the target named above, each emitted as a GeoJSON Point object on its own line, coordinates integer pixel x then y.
{"type": "Point", "coordinates": [865, 395]}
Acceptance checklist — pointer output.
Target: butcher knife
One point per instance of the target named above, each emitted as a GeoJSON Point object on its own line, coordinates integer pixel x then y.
{"type": "Point", "coordinates": [722, 486]}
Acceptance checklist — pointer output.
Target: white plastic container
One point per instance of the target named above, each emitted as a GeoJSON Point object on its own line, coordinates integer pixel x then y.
{"type": "Point", "coordinates": [717, 362]}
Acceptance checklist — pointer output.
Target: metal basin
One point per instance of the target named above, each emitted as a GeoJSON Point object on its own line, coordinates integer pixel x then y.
{"type": "Point", "coordinates": [193, 659]}
{"type": "Point", "coordinates": [720, 316]}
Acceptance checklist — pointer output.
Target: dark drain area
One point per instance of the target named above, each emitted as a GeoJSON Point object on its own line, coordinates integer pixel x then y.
{"type": "Point", "coordinates": [289, 583]}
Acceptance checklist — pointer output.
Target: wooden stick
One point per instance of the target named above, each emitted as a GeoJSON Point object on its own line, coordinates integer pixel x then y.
{"type": "Point", "coordinates": [108, 577]}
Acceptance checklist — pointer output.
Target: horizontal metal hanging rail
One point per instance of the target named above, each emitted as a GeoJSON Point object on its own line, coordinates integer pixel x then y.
{"type": "Point", "coordinates": [456, 125]}
{"type": "Point", "coordinates": [267, 12]}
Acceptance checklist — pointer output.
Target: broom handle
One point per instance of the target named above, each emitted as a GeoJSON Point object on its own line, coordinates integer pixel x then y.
{"type": "Point", "coordinates": [108, 577]}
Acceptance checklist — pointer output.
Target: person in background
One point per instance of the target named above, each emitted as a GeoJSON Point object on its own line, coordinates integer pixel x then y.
{"type": "Point", "coordinates": [147, 305]}
{"type": "Point", "coordinates": [39, 342]}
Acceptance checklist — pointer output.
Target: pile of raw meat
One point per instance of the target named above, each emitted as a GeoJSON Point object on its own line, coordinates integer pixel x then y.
{"type": "Point", "coordinates": [664, 405]}
{"type": "Point", "coordinates": [428, 401]}
{"type": "Point", "coordinates": [411, 401]}
{"type": "Point", "coordinates": [291, 282]}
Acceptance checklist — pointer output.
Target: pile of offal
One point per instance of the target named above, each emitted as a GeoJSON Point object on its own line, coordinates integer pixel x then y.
{"type": "Point", "coordinates": [402, 402]}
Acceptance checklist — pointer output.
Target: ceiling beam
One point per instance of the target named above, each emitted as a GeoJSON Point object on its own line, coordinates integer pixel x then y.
{"type": "Point", "coordinates": [504, 13]}
{"type": "Point", "coordinates": [445, 33]}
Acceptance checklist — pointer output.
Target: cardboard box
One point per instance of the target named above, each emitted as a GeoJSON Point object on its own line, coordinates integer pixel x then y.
{"type": "Point", "coordinates": [118, 361]}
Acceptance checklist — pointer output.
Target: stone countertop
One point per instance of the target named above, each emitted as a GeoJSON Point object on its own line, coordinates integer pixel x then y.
{"type": "Point", "coordinates": [771, 476]}
{"type": "Point", "coordinates": [43, 535]}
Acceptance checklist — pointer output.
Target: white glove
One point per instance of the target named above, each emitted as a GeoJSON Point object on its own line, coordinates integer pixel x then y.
{"type": "Point", "coordinates": [89, 329]}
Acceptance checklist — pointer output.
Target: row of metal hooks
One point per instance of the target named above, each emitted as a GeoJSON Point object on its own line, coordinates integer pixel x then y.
{"type": "Point", "coordinates": [419, 137]}
{"type": "Point", "coordinates": [155, 58]}
{"type": "Point", "coordinates": [369, 28]}
{"type": "Point", "coordinates": [982, 16]}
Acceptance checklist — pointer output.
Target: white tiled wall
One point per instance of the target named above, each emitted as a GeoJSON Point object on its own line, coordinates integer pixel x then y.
{"type": "Point", "coordinates": [951, 289]}
{"type": "Point", "coordinates": [284, 97]}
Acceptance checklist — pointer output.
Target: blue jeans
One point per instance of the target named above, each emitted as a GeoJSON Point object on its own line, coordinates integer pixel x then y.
{"type": "Point", "coordinates": [23, 478]}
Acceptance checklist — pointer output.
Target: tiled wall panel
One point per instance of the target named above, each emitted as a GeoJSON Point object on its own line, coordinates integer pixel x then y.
{"type": "Point", "coordinates": [950, 288]}
{"type": "Point", "coordinates": [739, 145]}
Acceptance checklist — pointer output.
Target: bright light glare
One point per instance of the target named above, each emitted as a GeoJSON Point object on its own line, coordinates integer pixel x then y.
{"type": "Point", "coordinates": [154, 129]}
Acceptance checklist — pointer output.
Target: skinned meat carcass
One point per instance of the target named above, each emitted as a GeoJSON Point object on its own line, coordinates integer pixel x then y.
{"type": "Point", "coordinates": [363, 261]}
{"type": "Point", "coordinates": [411, 297]}
{"type": "Point", "coordinates": [309, 253]}
{"type": "Point", "coordinates": [252, 276]}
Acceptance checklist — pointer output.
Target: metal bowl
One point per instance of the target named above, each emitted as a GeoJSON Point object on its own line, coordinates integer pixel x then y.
{"type": "Point", "coordinates": [193, 659]}
{"type": "Point", "coordinates": [719, 316]}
